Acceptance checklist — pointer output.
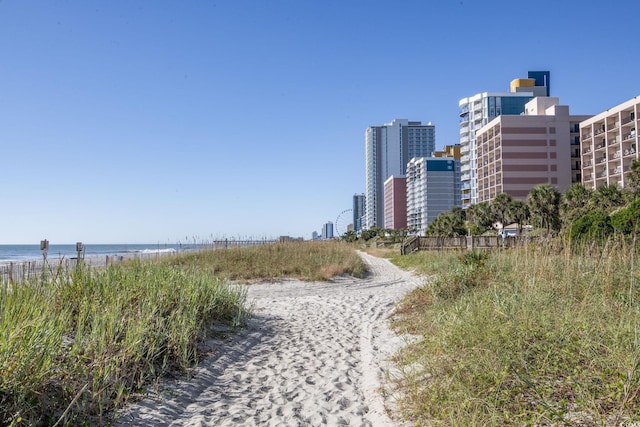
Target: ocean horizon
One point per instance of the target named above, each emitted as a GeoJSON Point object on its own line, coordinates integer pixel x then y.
{"type": "Point", "coordinates": [22, 253]}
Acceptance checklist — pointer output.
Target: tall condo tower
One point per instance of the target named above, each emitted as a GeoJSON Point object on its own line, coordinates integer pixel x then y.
{"type": "Point", "coordinates": [358, 211]}
{"type": "Point", "coordinates": [388, 149]}
{"type": "Point", "coordinates": [478, 110]}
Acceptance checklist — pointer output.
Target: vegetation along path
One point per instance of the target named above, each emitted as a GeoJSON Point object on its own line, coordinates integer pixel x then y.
{"type": "Point", "coordinates": [313, 353]}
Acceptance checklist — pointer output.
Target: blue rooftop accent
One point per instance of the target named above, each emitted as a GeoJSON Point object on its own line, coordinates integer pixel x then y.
{"type": "Point", "coordinates": [439, 165]}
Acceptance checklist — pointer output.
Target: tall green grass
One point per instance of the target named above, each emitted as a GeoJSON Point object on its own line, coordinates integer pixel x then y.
{"type": "Point", "coordinates": [530, 336]}
{"type": "Point", "coordinates": [78, 344]}
{"type": "Point", "coordinates": [75, 344]}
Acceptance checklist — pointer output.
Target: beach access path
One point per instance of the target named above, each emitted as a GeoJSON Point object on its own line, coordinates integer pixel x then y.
{"type": "Point", "coordinates": [313, 354]}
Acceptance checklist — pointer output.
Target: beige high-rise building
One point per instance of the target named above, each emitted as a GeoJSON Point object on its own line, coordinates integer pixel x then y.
{"type": "Point", "coordinates": [609, 144]}
{"type": "Point", "coordinates": [517, 153]}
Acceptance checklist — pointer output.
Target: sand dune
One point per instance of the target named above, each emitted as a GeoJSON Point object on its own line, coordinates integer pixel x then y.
{"type": "Point", "coordinates": [313, 354]}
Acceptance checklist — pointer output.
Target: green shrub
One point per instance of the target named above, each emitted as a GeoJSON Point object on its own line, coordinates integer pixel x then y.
{"type": "Point", "coordinates": [594, 225]}
{"type": "Point", "coordinates": [627, 219]}
{"type": "Point", "coordinates": [475, 258]}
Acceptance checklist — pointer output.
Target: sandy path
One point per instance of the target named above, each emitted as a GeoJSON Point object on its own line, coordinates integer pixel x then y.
{"type": "Point", "coordinates": [313, 354]}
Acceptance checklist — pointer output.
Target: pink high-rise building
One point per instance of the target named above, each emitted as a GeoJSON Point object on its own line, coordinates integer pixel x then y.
{"type": "Point", "coordinates": [517, 153]}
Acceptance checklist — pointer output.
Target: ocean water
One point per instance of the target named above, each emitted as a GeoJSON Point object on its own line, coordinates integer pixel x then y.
{"type": "Point", "coordinates": [20, 253]}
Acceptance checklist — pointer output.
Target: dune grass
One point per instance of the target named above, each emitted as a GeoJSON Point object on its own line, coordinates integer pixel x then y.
{"type": "Point", "coordinates": [530, 336]}
{"type": "Point", "coordinates": [318, 260]}
{"type": "Point", "coordinates": [76, 344]}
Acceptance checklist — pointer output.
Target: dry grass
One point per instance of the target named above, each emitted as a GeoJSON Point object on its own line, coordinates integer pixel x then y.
{"type": "Point", "coordinates": [320, 260]}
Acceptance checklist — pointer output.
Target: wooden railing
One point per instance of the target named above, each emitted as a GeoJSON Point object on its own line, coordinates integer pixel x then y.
{"type": "Point", "coordinates": [460, 243]}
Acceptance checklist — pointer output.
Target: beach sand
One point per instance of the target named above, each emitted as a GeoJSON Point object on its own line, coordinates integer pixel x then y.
{"type": "Point", "coordinates": [313, 354]}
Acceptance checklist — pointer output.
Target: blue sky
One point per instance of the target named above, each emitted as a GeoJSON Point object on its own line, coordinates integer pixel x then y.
{"type": "Point", "coordinates": [144, 122]}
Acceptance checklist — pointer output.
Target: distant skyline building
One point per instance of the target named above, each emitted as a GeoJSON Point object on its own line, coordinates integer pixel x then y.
{"type": "Point", "coordinates": [358, 211]}
{"type": "Point", "coordinates": [516, 153]}
{"type": "Point", "coordinates": [395, 203]}
{"type": "Point", "coordinates": [327, 231]}
{"type": "Point", "coordinates": [478, 110]}
{"type": "Point", "coordinates": [388, 149]}
{"type": "Point", "coordinates": [430, 190]}
{"type": "Point", "coordinates": [610, 145]}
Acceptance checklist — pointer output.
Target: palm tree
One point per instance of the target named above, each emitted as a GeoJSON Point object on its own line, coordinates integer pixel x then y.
{"type": "Point", "coordinates": [574, 202]}
{"type": "Point", "coordinates": [632, 179]}
{"type": "Point", "coordinates": [518, 212]}
{"type": "Point", "coordinates": [544, 205]}
{"type": "Point", "coordinates": [499, 206]}
{"type": "Point", "coordinates": [479, 218]}
{"type": "Point", "coordinates": [447, 224]}
{"type": "Point", "coordinates": [607, 198]}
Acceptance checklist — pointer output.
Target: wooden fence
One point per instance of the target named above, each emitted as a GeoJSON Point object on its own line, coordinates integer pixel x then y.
{"type": "Point", "coordinates": [418, 243]}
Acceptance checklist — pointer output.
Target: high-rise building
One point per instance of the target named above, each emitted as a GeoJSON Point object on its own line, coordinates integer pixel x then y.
{"type": "Point", "coordinates": [388, 148]}
{"type": "Point", "coordinates": [478, 110]}
{"type": "Point", "coordinates": [453, 152]}
{"type": "Point", "coordinates": [430, 190]}
{"type": "Point", "coordinates": [327, 231]}
{"type": "Point", "coordinates": [516, 153]}
{"type": "Point", "coordinates": [610, 145]}
{"type": "Point", "coordinates": [395, 203]}
{"type": "Point", "coordinates": [358, 211]}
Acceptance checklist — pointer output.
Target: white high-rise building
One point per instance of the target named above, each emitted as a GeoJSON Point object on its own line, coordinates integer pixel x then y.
{"type": "Point", "coordinates": [610, 145]}
{"type": "Point", "coordinates": [478, 110]}
{"type": "Point", "coordinates": [388, 149]}
{"type": "Point", "coordinates": [431, 183]}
